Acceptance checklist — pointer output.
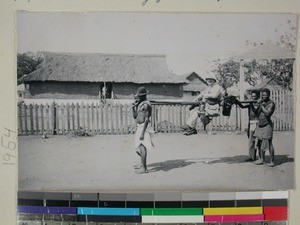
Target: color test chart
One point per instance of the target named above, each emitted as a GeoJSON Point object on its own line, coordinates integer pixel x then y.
{"type": "Point", "coordinates": [257, 208]}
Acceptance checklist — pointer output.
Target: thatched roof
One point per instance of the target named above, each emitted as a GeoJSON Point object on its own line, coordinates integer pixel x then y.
{"type": "Point", "coordinates": [93, 67]}
{"type": "Point", "coordinates": [196, 82]}
{"type": "Point", "coordinates": [263, 84]}
{"type": "Point", "coordinates": [194, 87]}
{"type": "Point", "coordinates": [191, 76]}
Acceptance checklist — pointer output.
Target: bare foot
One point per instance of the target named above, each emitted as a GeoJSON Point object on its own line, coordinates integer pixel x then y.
{"type": "Point", "coordinates": [137, 166]}
{"type": "Point", "coordinates": [141, 171]}
{"type": "Point", "coordinates": [258, 162]}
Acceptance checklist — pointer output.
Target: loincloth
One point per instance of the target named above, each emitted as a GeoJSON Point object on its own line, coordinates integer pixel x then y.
{"type": "Point", "coordinates": [252, 125]}
{"type": "Point", "coordinates": [265, 132]}
{"type": "Point", "coordinates": [147, 142]}
{"type": "Point", "coordinates": [263, 135]}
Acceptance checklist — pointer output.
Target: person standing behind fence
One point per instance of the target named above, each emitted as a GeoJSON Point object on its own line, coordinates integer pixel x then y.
{"type": "Point", "coordinates": [264, 130]}
{"type": "Point", "coordinates": [143, 137]}
{"type": "Point", "coordinates": [252, 123]}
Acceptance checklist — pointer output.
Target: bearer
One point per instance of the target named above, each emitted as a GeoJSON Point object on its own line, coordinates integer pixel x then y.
{"type": "Point", "coordinates": [143, 137]}
{"type": "Point", "coordinates": [264, 131]}
{"type": "Point", "coordinates": [252, 122]}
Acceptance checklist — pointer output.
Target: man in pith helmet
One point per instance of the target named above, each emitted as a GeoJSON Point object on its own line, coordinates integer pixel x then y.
{"type": "Point", "coordinates": [209, 107]}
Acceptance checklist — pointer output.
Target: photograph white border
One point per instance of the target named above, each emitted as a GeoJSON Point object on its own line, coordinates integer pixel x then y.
{"type": "Point", "coordinates": [8, 120]}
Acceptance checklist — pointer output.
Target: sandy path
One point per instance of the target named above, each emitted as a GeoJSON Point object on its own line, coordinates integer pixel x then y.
{"type": "Point", "coordinates": [105, 163]}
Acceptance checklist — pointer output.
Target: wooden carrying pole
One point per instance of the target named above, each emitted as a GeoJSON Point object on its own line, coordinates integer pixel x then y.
{"type": "Point", "coordinates": [158, 102]}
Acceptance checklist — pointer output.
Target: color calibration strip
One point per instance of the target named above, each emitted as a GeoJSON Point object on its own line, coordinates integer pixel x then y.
{"type": "Point", "coordinates": [207, 208]}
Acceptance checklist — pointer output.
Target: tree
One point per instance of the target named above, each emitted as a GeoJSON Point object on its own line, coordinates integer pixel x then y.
{"type": "Point", "coordinates": [227, 73]}
{"type": "Point", "coordinates": [280, 70]}
{"type": "Point", "coordinates": [28, 62]}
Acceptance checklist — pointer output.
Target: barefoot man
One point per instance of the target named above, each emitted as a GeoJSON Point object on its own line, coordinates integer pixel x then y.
{"type": "Point", "coordinates": [143, 137]}
{"type": "Point", "coordinates": [264, 130]}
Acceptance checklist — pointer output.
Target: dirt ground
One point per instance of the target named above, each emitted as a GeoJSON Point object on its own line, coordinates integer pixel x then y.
{"type": "Point", "coordinates": [200, 162]}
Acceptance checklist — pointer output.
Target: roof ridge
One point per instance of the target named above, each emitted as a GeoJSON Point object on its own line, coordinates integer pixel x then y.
{"type": "Point", "coordinates": [102, 53]}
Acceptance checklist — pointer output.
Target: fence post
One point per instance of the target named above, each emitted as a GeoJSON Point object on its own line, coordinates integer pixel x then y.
{"type": "Point", "coordinates": [53, 109]}
{"type": "Point", "coordinates": [20, 130]}
{"type": "Point", "coordinates": [31, 118]}
{"type": "Point", "coordinates": [88, 129]}
{"type": "Point", "coordinates": [42, 118]}
{"type": "Point", "coordinates": [97, 118]}
{"type": "Point", "coordinates": [63, 120]}
{"type": "Point", "coordinates": [68, 118]}
{"type": "Point", "coordinates": [36, 119]}
{"type": "Point", "coordinates": [47, 116]}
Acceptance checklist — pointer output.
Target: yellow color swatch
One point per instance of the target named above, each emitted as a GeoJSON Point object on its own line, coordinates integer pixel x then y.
{"type": "Point", "coordinates": [233, 211]}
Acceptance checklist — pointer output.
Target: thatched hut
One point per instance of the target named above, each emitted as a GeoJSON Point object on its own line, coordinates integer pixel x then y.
{"type": "Point", "coordinates": [195, 85]}
{"type": "Point", "coordinates": [87, 75]}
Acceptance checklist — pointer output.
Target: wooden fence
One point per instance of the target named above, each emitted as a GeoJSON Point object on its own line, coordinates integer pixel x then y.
{"type": "Point", "coordinates": [36, 119]}
{"type": "Point", "coordinates": [283, 116]}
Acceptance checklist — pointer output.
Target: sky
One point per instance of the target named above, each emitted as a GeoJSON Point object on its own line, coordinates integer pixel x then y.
{"type": "Point", "coordinates": [190, 41]}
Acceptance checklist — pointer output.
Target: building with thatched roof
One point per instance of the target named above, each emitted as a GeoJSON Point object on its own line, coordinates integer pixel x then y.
{"type": "Point", "coordinates": [90, 75]}
{"type": "Point", "coordinates": [195, 85]}
{"type": "Point", "coordinates": [266, 83]}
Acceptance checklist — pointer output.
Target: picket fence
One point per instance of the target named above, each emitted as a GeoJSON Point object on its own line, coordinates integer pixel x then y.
{"type": "Point", "coordinates": [37, 119]}
{"type": "Point", "coordinates": [107, 119]}
{"type": "Point", "coordinates": [283, 117]}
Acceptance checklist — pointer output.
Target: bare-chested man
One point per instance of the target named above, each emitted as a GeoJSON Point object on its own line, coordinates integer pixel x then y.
{"type": "Point", "coordinates": [252, 123]}
{"type": "Point", "coordinates": [264, 131]}
{"type": "Point", "coordinates": [143, 137]}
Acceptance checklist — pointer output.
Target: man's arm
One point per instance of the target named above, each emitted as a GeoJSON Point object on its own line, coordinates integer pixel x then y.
{"type": "Point", "coordinates": [134, 110]}
{"type": "Point", "coordinates": [147, 108]}
{"type": "Point", "coordinates": [215, 92]}
{"type": "Point", "coordinates": [237, 102]}
{"type": "Point", "coordinates": [269, 109]}
{"type": "Point", "coordinates": [198, 97]}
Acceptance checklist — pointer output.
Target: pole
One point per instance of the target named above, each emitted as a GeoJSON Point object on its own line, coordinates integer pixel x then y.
{"type": "Point", "coordinates": [242, 96]}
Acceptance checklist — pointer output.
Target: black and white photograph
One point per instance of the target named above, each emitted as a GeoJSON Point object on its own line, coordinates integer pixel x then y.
{"type": "Point", "coordinates": [115, 101]}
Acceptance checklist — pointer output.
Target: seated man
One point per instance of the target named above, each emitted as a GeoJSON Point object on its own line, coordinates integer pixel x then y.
{"type": "Point", "coordinates": [209, 105]}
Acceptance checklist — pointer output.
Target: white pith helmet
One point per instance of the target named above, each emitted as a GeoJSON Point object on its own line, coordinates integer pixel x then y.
{"type": "Point", "coordinates": [211, 76]}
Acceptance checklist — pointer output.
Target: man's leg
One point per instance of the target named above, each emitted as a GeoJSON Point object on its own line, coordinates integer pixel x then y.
{"type": "Point", "coordinates": [192, 122]}
{"type": "Point", "coordinates": [260, 160]}
{"type": "Point", "coordinates": [272, 154]}
{"type": "Point", "coordinates": [251, 146]}
{"type": "Point", "coordinates": [143, 154]}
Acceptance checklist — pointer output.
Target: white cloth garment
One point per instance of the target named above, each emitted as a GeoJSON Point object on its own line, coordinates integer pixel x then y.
{"type": "Point", "coordinates": [147, 142]}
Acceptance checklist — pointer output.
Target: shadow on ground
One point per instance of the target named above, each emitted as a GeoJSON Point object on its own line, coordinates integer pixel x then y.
{"type": "Point", "coordinates": [170, 164]}
{"type": "Point", "coordinates": [179, 163]}
{"type": "Point", "coordinates": [279, 159]}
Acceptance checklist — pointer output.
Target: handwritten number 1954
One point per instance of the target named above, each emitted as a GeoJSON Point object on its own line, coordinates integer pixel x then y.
{"type": "Point", "coordinates": [8, 142]}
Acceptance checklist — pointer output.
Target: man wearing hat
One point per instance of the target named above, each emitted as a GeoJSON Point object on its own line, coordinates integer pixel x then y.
{"type": "Point", "coordinates": [209, 107]}
{"type": "Point", "coordinates": [143, 137]}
